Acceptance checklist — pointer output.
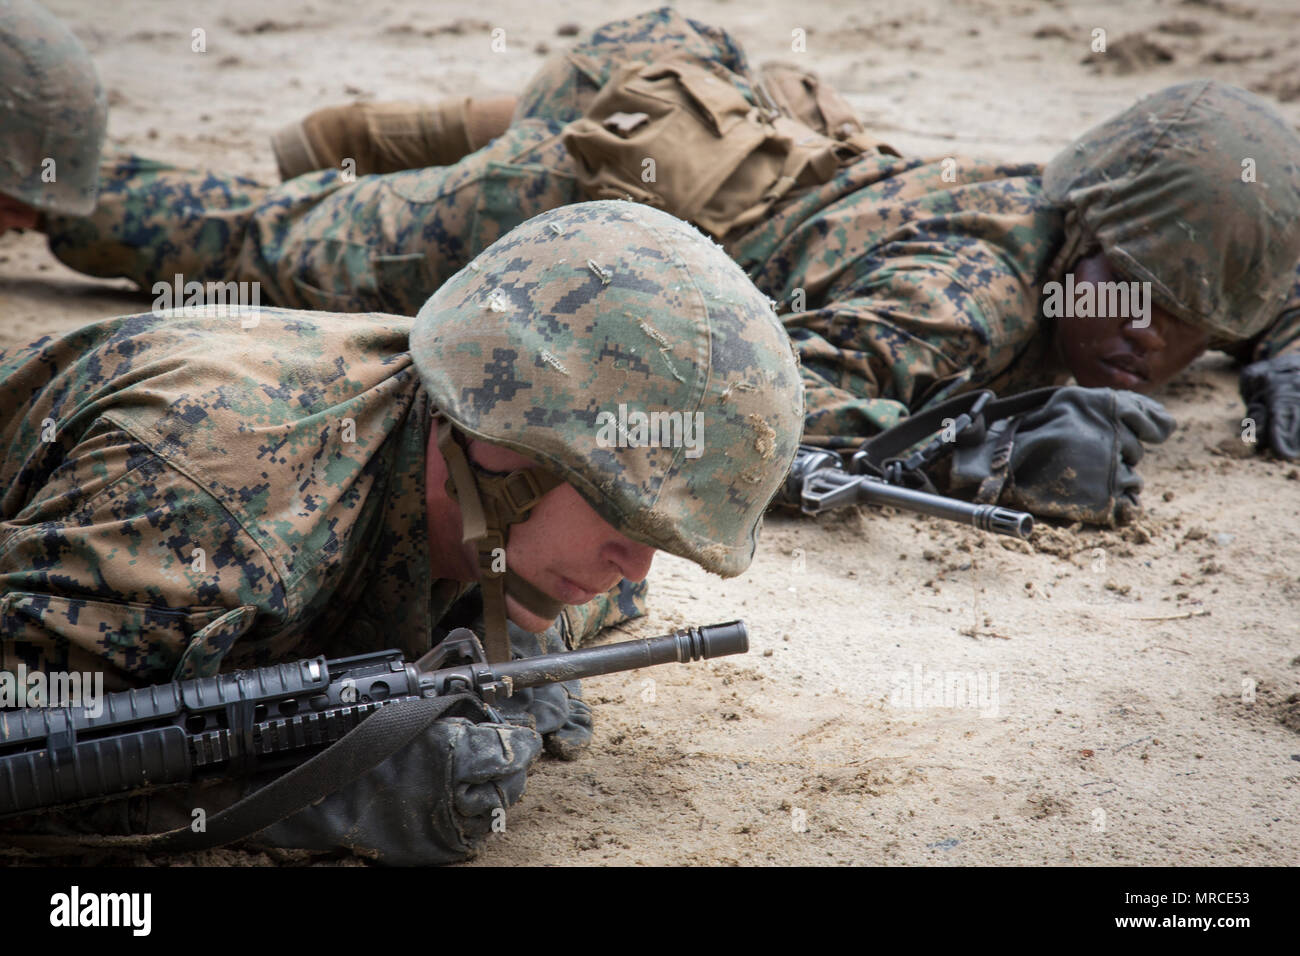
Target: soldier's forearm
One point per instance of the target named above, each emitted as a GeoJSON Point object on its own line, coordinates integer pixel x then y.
{"type": "Point", "coordinates": [836, 418]}
{"type": "Point", "coordinates": [1281, 338]}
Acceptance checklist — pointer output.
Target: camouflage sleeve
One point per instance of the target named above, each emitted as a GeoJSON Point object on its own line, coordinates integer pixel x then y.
{"type": "Point", "coordinates": [625, 601]}
{"type": "Point", "coordinates": [1283, 336]}
{"type": "Point", "coordinates": [842, 403]}
{"type": "Point", "coordinates": [921, 335]}
{"type": "Point", "coordinates": [119, 563]}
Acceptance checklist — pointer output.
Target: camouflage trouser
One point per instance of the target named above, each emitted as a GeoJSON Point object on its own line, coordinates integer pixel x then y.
{"type": "Point", "coordinates": [378, 243]}
{"type": "Point", "coordinates": [382, 243]}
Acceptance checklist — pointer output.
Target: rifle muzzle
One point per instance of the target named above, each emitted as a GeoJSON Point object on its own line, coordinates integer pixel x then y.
{"type": "Point", "coordinates": [1014, 524]}
{"type": "Point", "coordinates": [689, 644]}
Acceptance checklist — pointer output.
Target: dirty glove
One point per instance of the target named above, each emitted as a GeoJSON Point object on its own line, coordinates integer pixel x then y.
{"type": "Point", "coordinates": [1072, 458]}
{"type": "Point", "coordinates": [431, 802]}
{"type": "Point", "coordinates": [1271, 390]}
{"type": "Point", "coordinates": [556, 711]}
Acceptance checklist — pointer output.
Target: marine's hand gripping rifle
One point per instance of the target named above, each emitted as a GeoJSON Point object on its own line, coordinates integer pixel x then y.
{"type": "Point", "coordinates": [274, 717]}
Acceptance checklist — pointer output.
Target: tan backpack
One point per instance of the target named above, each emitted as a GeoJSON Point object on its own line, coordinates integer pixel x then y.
{"type": "Point", "coordinates": [678, 135]}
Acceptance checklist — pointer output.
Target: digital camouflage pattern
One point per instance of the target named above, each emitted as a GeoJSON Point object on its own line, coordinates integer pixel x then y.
{"type": "Point", "coordinates": [1195, 189]}
{"type": "Point", "coordinates": [902, 281]}
{"type": "Point", "coordinates": [379, 243]}
{"type": "Point", "coordinates": [901, 288]}
{"type": "Point", "coordinates": [173, 484]}
{"type": "Point", "coordinates": [564, 87]}
{"type": "Point", "coordinates": [617, 309]}
{"type": "Point", "coordinates": [182, 492]}
{"type": "Point", "coordinates": [53, 112]}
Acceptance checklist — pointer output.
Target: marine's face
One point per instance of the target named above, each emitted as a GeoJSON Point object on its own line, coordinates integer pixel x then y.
{"type": "Point", "coordinates": [563, 548]}
{"type": "Point", "coordinates": [1115, 351]}
{"type": "Point", "coordinates": [15, 214]}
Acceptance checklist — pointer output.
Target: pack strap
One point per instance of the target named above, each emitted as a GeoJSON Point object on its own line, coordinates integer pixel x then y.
{"type": "Point", "coordinates": [970, 414]}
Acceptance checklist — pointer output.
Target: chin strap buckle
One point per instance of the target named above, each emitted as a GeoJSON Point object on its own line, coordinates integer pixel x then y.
{"type": "Point", "coordinates": [516, 493]}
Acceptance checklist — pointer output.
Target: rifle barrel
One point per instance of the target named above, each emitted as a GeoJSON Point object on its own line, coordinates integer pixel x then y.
{"type": "Point", "coordinates": [999, 520]}
{"type": "Point", "coordinates": [274, 715]}
{"type": "Point", "coordinates": [827, 488]}
{"type": "Point", "coordinates": [690, 644]}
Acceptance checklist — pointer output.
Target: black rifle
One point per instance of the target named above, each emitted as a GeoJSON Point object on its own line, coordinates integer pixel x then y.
{"type": "Point", "coordinates": [890, 468]}
{"type": "Point", "coordinates": [278, 716]}
{"type": "Point", "coordinates": [819, 481]}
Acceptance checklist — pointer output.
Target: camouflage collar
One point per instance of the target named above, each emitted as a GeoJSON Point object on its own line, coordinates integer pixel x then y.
{"type": "Point", "coordinates": [400, 595]}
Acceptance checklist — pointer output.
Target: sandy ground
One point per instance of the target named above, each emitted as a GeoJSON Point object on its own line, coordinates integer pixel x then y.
{"type": "Point", "coordinates": [1136, 692]}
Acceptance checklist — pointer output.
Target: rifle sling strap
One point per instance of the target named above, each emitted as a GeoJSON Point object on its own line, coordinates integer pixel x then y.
{"type": "Point", "coordinates": [373, 741]}
{"type": "Point", "coordinates": [876, 452]}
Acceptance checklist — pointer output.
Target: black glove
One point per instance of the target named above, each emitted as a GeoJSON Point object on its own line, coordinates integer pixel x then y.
{"type": "Point", "coordinates": [1271, 390]}
{"type": "Point", "coordinates": [431, 802]}
{"type": "Point", "coordinates": [1073, 458]}
{"type": "Point", "coordinates": [556, 711]}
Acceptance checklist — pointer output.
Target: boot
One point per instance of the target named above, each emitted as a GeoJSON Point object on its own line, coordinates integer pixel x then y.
{"type": "Point", "coordinates": [388, 137]}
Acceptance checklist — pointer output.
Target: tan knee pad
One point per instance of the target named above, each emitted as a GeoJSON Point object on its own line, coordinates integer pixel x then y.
{"type": "Point", "coordinates": [324, 139]}
{"type": "Point", "coordinates": [411, 136]}
{"type": "Point", "coordinates": [388, 137]}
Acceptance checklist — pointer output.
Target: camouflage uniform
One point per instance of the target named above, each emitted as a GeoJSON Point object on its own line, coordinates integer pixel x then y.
{"type": "Point", "coordinates": [175, 485]}
{"type": "Point", "coordinates": [379, 243]}
{"type": "Point", "coordinates": [903, 281]}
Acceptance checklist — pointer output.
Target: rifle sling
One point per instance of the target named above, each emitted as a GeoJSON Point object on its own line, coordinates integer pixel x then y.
{"type": "Point", "coordinates": [916, 428]}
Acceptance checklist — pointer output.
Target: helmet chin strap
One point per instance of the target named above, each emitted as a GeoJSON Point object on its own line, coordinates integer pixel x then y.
{"type": "Point", "coordinates": [489, 505]}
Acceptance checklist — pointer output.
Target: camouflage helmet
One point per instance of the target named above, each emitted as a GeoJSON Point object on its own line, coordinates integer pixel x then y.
{"type": "Point", "coordinates": [1195, 189]}
{"type": "Point", "coordinates": [53, 112]}
{"type": "Point", "coordinates": [567, 335]}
